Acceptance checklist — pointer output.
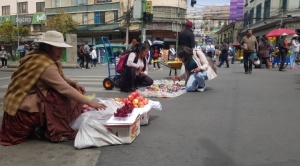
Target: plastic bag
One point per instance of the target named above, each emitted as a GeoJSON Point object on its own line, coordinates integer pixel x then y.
{"type": "Point", "coordinates": [101, 116]}
{"type": "Point", "coordinates": [93, 134]}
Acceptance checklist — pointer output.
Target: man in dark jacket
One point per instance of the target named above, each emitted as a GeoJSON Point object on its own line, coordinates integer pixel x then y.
{"type": "Point", "coordinates": [187, 37]}
{"type": "Point", "coordinates": [224, 55]}
{"type": "Point", "coordinates": [283, 49]}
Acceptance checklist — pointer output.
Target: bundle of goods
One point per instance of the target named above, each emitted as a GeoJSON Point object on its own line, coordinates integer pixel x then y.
{"type": "Point", "coordinates": [164, 89]}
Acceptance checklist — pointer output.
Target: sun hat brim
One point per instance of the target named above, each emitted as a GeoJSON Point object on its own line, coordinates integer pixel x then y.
{"type": "Point", "coordinates": [56, 44]}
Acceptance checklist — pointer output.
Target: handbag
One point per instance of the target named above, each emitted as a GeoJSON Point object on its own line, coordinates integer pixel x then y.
{"type": "Point", "coordinates": [58, 111]}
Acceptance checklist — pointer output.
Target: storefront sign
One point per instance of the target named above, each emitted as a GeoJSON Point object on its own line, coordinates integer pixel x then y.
{"type": "Point", "coordinates": [39, 18]}
{"type": "Point", "coordinates": [22, 19]}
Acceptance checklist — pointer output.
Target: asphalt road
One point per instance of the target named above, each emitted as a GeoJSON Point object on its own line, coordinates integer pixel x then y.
{"type": "Point", "coordinates": [240, 120]}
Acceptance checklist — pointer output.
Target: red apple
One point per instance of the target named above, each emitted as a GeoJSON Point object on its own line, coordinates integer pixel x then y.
{"type": "Point", "coordinates": [134, 94]}
{"type": "Point", "coordinates": [140, 98]}
{"type": "Point", "coordinates": [125, 100]}
{"type": "Point", "coordinates": [130, 97]}
{"type": "Point", "coordinates": [128, 103]}
{"type": "Point", "coordinates": [141, 104]}
{"type": "Point", "coordinates": [146, 101]}
{"type": "Point", "coordinates": [135, 106]}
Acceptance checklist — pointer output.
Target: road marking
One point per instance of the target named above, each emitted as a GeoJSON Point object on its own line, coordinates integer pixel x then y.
{"type": "Point", "coordinates": [4, 78]}
{"type": "Point", "coordinates": [90, 83]}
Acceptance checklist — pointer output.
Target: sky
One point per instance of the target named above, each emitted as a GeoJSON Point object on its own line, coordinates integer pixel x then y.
{"type": "Point", "coordinates": [201, 3]}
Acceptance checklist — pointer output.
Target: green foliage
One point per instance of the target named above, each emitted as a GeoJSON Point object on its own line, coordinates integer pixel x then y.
{"type": "Point", "coordinates": [62, 22]}
{"type": "Point", "coordinates": [9, 32]}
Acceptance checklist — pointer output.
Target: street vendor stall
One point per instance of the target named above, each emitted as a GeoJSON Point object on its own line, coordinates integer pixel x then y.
{"type": "Point", "coordinates": [118, 124]}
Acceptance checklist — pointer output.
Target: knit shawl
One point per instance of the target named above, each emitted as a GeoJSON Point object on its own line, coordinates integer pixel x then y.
{"type": "Point", "coordinates": [29, 71]}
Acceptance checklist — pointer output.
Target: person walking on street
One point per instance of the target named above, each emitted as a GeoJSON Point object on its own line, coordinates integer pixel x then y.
{"type": "Point", "coordinates": [94, 57]}
{"type": "Point", "coordinates": [263, 52]}
{"type": "Point", "coordinates": [250, 46]}
{"type": "Point", "coordinates": [187, 37]}
{"type": "Point", "coordinates": [4, 57]}
{"type": "Point", "coordinates": [155, 55]}
{"type": "Point", "coordinates": [87, 54]}
{"type": "Point", "coordinates": [210, 49]}
{"type": "Point", "coordinates": [224, 55]}
{"type": "Point", "coordinates": [283, 49]}
{"type": "Point", "coordinates": [294, 51]}
{"type": "Point", "coordinates": [81, 56]}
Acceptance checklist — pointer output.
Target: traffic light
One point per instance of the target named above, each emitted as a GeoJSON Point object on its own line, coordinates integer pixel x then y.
{"type": "Point", "coordinates": [193, 2]}
{"type": "Point", "coordinates": [147, 17]}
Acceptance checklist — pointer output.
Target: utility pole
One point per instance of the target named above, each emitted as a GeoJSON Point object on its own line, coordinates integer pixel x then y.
{"type": "Point", "coordinates": [143, 26]}
{"type": "Point", "coordinates": [177, 28]}
{"type": "Point", "coordinates": [17, 20]}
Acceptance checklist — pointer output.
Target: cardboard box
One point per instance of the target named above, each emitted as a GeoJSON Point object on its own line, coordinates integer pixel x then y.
{"type": "Point", "coordinates": [127, 133]}
{"type": "Point", "coordinates": [145, 118]}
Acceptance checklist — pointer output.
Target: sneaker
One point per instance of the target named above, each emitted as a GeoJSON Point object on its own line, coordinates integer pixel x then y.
{"type": "Point", "coordinates": [153, 68]}
{"type": "Point", "coordinates": [160, 69]}
{"type": "Point", "coordinates": [83, 68]}
{"type": "Point", "coordinates": [5, 66]}
{"type": "Point", "coordinates": [201, 89]}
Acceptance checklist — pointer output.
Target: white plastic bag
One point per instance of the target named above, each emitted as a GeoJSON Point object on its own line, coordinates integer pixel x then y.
{"type": "Point", "coordinates": [93, 134]}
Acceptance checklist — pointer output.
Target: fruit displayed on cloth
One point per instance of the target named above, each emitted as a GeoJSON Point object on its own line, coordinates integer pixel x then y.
{"type": "Point", "coordinates": [124, 111]}
{"type": "Point", "coordinates": [135, 99]}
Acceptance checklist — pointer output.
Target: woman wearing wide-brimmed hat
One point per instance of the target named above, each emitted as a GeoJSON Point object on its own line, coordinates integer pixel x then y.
{"type": "Point", "coordinates": [294, 51]}
{"type": "Point", "coordinates": [38, 92]}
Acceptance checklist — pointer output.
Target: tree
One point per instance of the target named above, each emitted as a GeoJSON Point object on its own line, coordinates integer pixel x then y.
{"type": "Point", "coordinates": [62, 22]}
{"type": "Point", "coordinates": [9, 32]}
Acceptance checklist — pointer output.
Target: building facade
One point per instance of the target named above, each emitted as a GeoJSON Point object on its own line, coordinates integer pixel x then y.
{"type": "Point", "coordinates": [208, 20]}
{"type": "Point", "coordinates": [111, 18]}
{"type": "Point", "coordinates": [29, 13]}
{"type": "Point", "coordinates": [263, 16]}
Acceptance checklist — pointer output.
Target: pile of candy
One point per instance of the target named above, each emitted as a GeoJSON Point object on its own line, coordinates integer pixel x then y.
{"type": "Point", "coordinates": [164, 88]}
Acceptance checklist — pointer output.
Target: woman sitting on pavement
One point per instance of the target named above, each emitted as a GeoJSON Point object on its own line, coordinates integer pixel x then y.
{"type": "Point", "coordinates": [136, 70]}
{"type": "Point", "coordinates": [197, 69]}
{"type": "Point", "coordinates": [37, 86]}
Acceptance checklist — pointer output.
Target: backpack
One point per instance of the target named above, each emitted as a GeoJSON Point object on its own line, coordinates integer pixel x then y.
{"type": "Point", "coordinates": [123, 60]}
{"type": "Point", "coordinates": [122, 63]}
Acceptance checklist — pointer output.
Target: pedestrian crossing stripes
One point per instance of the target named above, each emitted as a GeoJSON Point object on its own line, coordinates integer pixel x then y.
{"type": "Point", "coordinates": [92, 84]}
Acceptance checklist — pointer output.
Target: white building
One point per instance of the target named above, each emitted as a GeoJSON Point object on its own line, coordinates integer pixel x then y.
{"type": "Point", "coordinates": [265, 15]}
{"type": "Point", "coordinates": [29, 13]}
